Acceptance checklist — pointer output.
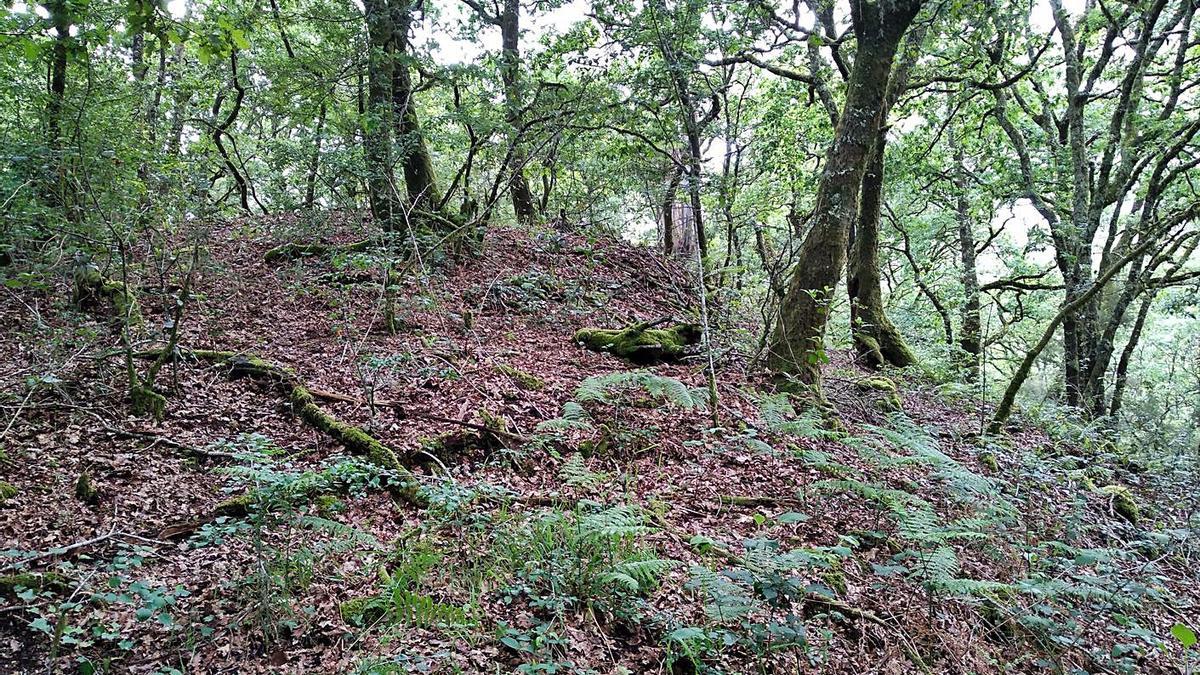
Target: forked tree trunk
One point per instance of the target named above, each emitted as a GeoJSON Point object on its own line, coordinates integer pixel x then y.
{"type": "Point", "coordinates": [797, 344]}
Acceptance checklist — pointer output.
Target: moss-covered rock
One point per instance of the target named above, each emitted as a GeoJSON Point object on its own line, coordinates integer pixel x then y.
{"type": "Point", "coordinates": [11, 584]}
{"type": "Point", "coordinates": [522, 379]}
{"type": "Point", "coordinates": [1120, 501]}
{"type": "Point", "coordinates": [7, 491]}
{"type": "Point", "coordinates": [989, 460]}
{"type": "Point", "coordinates": [888, 396]}
{"type": "Point", "coordinates": [85, 490]}
{"type": "Point", "coordinates": [235, 507]}
{"type": "Point", "coordinates": [643, 346]}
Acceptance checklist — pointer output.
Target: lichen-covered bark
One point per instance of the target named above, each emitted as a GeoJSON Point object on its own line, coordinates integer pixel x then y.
{"type": "Point", "coordinates": [876, 339]}
{"type": "Point", "coordinates": [797, 345]}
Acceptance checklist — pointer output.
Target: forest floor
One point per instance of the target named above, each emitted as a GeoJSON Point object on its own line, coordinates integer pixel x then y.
{"type": "Point", "coordinates": [901, 543]}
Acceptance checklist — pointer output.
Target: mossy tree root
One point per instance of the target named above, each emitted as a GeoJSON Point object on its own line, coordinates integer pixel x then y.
{"type": "Point", "coordinates": [357, 441]}
{"type": "Point", "coordinates": [642, 344]}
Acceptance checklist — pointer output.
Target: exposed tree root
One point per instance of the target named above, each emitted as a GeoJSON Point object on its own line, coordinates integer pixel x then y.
{"type": "Point", "coordinates": [401, 412]}
{"type": "Point", "coordinates": [357, 441]}
{"type": "Point", "coordinates": [422, 221]}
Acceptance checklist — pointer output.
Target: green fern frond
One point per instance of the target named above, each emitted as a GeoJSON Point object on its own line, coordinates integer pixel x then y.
{"type": "Point", "coordinates": [575, 473]}
{"type": "Point", "coordinates": [618, 522]}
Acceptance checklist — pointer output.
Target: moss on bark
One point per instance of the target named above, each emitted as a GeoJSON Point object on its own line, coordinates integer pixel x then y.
{"type": "Point", "coordinates": [643, 346]}
{"type": "Point", "coordinates": [404, 485]}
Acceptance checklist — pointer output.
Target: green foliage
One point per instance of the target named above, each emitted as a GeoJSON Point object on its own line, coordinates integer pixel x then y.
{"type": "Point", "coordinates": [590, 556]}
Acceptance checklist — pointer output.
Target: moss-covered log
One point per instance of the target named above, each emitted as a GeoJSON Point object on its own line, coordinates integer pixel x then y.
{"type": "Point", "coordinates": [285, 252]}
{"type": "Point", "coordinates": [355, 440]}
{"type": "Point", "coordinates": [640, 344]}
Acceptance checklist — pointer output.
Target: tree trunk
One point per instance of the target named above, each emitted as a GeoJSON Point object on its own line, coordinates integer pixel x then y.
{"type": "Point", "coordinates": [314, 161]}
{"type": "Point", "coordinates": [668, 213]}
{"type": "Point", "coordinates": [875, 338]}
{"type": "Point", "coordinates": [60, 18]}
{"type": "Point", "coordinates": [510, 73]}
{"type": "Point", "coordinates": [1122, 375]}
{"type": "Point", "coordinates": [377, 120]}
{"type": "Point", "coordinates": [419, 177]}
{"type": "Point", "coordinates": [970, 339]}
{"type": "Point", "coordinates": [797, 345]}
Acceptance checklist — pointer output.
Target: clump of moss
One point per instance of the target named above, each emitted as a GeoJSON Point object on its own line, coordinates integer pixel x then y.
{"type": "Point", "coordinates": [49, 581]}
{"type": "Point", "coordinates": [523, 379]}
{"type": "Point", "coordinates": [989, 460]}
{"type": "Point", "coordinates": [146, 401]}
{"type": "Point", "coordinates": [327, 504]}
{"type": "Point", "coordinates": [889, 398]}
{"type": "Point", "coordinates": [235, 507]}
{"type": "Point", "coordinates": [835, 578]}
{"type": "Point", "coordinates": [1121, 502]}
{"type": "Point", "coordinates": [641, 346]}
{"type": "Point", "coordinates": [7, 491]}
{"type": "Point", "coordinates": [85, 490]}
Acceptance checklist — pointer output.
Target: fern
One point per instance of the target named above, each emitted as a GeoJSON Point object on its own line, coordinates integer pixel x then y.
{"type": "Point", "coordinates": [781, 417]}
{"type": "Point", "coordinates": [638, 576]}
{"type": "Point", "coordinates": [725, 601]}
{"type": "Point", "coordinates": [606, 388]}
{"type": "Point", "coordinates": [617, 522]}
{"type": "Point", "coordinates": [423, 611]}
{"type": "Point", "coordinates": [575, 473]}
{"type": "Point", "coordinates": [572, 417]}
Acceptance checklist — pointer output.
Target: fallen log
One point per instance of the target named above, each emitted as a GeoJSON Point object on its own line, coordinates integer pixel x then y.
{"type": "Point", "coordinates": [285, 252]}
{"type": "Point", "coordinates": [642, 343]}
{"type": "Point", "coordinates": [356, 441]}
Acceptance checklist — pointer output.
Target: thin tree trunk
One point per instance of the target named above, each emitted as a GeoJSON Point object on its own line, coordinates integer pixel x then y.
{"type": "Point", "coordinates": [1122, 375]}
{"type": "Point", "coordinates": [668, 217]}
{"type": "Point", "coordinates": [970, 339]}
{"type": "Point", "coordinates": [221, 129]}
{"type": "Point", "coordinates": [1005, 407]}
{"type": "Point", "coordinates": [876, 339]}
{"type": "Point", "coordinates": [60, 18]}
{"type": "Point", "coordinates": [314, 161]}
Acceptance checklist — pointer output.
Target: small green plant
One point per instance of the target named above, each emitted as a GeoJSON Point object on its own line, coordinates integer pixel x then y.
{"type": "Point", "coordinates": [276, 499]}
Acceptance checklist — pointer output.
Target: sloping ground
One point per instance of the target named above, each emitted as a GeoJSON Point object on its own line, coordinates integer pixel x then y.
{"type": "Point", "coordinates": [602, 525]}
